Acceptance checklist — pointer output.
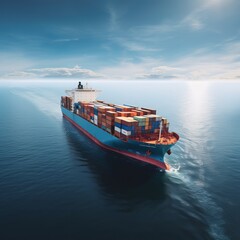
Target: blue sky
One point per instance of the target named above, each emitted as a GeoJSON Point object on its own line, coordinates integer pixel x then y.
{"type": "Point", "coordinates": [164, 39]}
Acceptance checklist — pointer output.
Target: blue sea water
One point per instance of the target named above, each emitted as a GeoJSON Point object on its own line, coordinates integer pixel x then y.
{"type": "Point", "coordinates": [57, 184]}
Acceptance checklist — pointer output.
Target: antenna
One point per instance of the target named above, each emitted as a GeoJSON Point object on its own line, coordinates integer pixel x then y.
{"type": "Point", "coordinates": [160, 131]}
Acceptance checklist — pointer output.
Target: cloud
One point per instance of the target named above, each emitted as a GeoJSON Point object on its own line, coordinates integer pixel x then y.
{"type": "Point", "coordinates": [197, 18]}
{"type": "Point", "coordinates": [20, 74]}
{"type": "Point", "coordinates": [133, 45]}
{"type": "Point", "coordinates": [162, 72]}
{"type": "Point", "coordinates": [125, 70]}
{"type": "Point", "coordinates": [113, 18]}
{"type": "Point", "coordinates": [223, 63]}
{"type": "Point", "coordinates": [193, 22]}
{"type": "Point", "coordinates": [147, 68]}
{"type": "Point", "coordinates": [75, 72]}
{"type": "Point", "coordinates": [220, 62]}
{"type": "Point", "coordinates": [148, 38]}
{"type": "Point", "coordinates": [203, 64]}
{"type": "Point", "coordinates": [66, 40]}
{"type": "Point", "coordinates": [164, 69]}
{"type": "Point", "coordinates": [150, 30]}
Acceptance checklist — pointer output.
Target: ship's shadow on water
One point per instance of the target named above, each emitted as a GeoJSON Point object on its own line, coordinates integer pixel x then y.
{"type": "Point", "coordinates": [117, 176]}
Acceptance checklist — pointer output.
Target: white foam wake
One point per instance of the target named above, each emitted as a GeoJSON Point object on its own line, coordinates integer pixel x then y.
{"type": "Point", "coordinates": [205, 200]}
{"type": "Point", "coordinates": [44, 103]}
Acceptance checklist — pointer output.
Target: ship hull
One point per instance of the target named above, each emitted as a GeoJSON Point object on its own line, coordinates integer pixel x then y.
{"type": "Point", "coordinates": [148, 153]}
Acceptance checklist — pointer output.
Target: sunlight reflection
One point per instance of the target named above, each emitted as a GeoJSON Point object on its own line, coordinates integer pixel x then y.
{"type": "Point", "coordinates": [197, 109]}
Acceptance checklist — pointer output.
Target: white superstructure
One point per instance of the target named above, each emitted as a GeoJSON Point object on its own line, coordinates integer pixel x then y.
{"type": "Point", "coordinates": [83, 94]}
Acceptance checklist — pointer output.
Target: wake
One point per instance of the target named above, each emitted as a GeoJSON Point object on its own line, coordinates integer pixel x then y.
{"type": "Point", "coordinates": [213, 213]}
{"type": "Point", "coordinates": [44, 103]}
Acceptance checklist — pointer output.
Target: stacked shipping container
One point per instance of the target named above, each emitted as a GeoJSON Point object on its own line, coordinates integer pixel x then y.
{"type": "Point", "coordinates": [66, 102]}
{"type": "Point", "coordinates": [122, 121]}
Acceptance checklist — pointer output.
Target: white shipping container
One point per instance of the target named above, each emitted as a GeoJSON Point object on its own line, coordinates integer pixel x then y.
{"type": "Point", "coordinates": [117, 129]}
{"type": "Point", "coordinates": [95, 121]}
{"type": "Point", "coordinates": [127, 133]}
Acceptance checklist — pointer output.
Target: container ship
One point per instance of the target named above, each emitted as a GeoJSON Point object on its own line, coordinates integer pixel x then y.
{"type": "Point", "coordinates": [135, 132]}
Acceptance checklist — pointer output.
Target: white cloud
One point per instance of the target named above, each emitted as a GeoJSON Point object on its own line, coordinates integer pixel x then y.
{"type": "Point", "coordinates": [75, 72]}
{"type": "Point", "coordinates": [133, 45]}
{"type": "Point", "coordinates": [164, 69]}
{"type": "Point", "coordinates": [149, 30]}
{"type": "Point", "coordinates": [202, 64]}
{"type": "Point", "coordinates": [66, 40]}
{"type": "Point", "coordinates": [197, 18]}
{"type": "Point", "coordinates": [222, 62]}
{"type": "Point", "coordinates": [162, 72]}
{"type": "Point", "coordinates": [21, 75]}
{"type": "Point", "coordinates": [126, 69]}
{"type": "Point", "coordinates": [193, 22]}
{"type": "Point", "coordinates": [113, 21]}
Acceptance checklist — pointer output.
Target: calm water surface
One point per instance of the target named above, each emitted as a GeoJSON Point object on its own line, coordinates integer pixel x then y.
{"type": "Point", "coordinates": [56, 184]}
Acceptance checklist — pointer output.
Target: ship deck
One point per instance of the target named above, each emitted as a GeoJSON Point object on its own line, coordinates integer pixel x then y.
{"type": "Point", "coordinates": [166, 139]}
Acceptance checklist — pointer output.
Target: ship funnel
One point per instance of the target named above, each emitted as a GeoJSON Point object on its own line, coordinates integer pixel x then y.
{"type": "Point", "coordinates": [80, 86]}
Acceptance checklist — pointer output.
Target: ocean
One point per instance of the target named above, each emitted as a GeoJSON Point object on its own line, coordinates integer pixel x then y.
{"type": "Point", "coordinates": [57, 184]}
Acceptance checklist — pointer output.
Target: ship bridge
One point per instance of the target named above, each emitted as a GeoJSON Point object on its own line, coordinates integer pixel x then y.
{"type": "Point", "coordinates": [83, 93]}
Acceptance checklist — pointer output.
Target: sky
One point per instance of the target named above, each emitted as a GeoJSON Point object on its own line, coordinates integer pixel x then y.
{"type": "Point", "coordinates": [134, 39]}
